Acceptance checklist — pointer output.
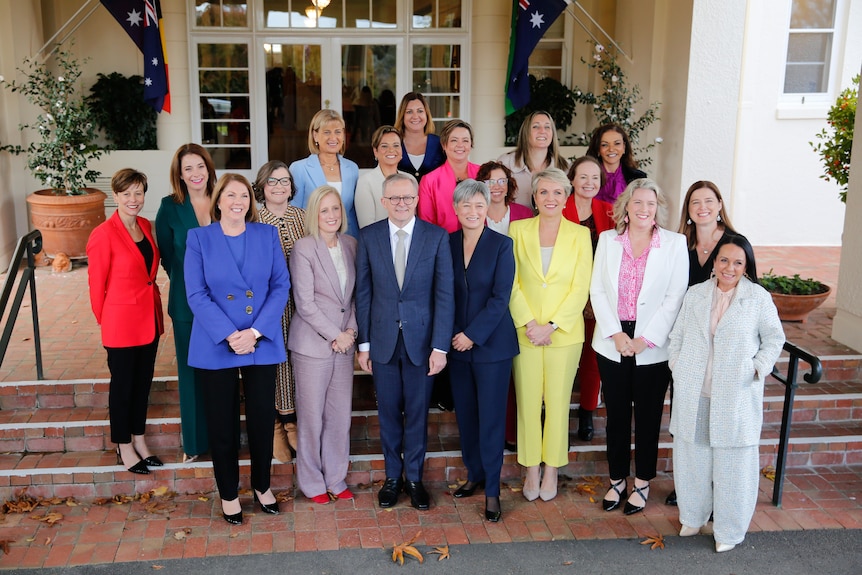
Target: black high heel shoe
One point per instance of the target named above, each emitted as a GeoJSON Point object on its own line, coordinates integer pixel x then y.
{"type": "Point", "coordinates": [492, 515]}
{"type": "Point", "coordinates": [630, 508]}
{"type": "Point", "coordinates": [271, 508]}
{"type": "Point", "coordinates": [610, 505]}
{"type": "Point", "coordinates": [151, 461]}
{"type": "Point", "coordinates": [585, 424]}
{"type": "Point", "coordinates": [140, 467]}
{"type": "Point", "coordinates": [468, 489]}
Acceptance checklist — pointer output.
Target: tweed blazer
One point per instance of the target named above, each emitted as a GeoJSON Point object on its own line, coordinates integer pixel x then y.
{"type": "Point", "coordinates": [323, 311]}
{"type": "Point", "coordinates": [664, 284]}
{"type": "Point", "coordinates": [308, 176]}
{"type": "Point", "coordinates": [561, 294]}
{"type": "Point", "coordinates": [747, 342]}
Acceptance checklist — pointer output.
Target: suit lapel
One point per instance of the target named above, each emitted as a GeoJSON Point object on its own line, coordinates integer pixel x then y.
{"type": "Point", "coordinates": [187, 214]}
{"type": "Point", "coordinates": [325, 259]}
{"type": "Point", "coordinates": [534, 246]}
{"type": "Point", "coordinates": [417, 247]}
{"type": "Point", "coordinates": [315, 175]}
{"type": "Point", "coordinates": [154, 269]}
{"type": "Point", "coordinates": [128, 242]}
{"type": "Point", "coordinates": [384, 250]}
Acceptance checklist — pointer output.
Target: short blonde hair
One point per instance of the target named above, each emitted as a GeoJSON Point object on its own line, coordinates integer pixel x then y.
{"type": "Point", "coordinates": [312, 210]}
{"type": "Point", "coordinates": [215, 212]}
{"type": "Point", "coordinates": [622, 203]}
{"type": "Point", "coordinates": [319, 120]}
{"type": "Point", "coordinates": [555, 175]}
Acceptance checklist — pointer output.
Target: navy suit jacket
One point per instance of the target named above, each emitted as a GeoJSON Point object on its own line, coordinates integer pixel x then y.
{"type": "Point", "coordinates": [482, 293]}
{"type": "Point", "coordinates": [308, 176]}
{"type": "Point", "coordinates": [434, 158]}
{"type": "Point", "coordinates": [225, 298]}
{"type": "Point", "coordinates": [424, 305]}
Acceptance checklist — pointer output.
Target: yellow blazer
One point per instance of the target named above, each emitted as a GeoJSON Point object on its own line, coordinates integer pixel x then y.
{"type": "Point", "coordinates": [559, 296]}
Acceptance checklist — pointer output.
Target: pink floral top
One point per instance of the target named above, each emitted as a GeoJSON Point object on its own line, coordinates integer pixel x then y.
{"type": "Point", "coordinates": [631, 276]}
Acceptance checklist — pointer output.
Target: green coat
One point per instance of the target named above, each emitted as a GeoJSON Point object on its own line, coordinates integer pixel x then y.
{"type": "Point", "coordinates": [173, 223]}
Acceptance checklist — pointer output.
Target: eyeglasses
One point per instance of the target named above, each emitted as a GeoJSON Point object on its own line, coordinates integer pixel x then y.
{"type": "Point", "coordinates": [282, 181]}
{"type": "Point", "coordinates": [500, 182]}
{"type": "Point", "coordinates": [406, 200]}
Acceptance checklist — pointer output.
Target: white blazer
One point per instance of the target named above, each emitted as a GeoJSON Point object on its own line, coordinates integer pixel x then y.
{"type": "Point", "coordinates": [664, 285]}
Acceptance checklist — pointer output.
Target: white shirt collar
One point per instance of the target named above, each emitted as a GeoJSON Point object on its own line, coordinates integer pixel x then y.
{"type": "Point", "coordinates": [408, 227]}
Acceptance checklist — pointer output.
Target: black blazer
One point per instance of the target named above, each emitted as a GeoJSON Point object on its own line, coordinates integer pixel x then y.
{"type": "Point", "coordinates": [482, 292]}
{"type": "Point", "coordinates": [434, 158]}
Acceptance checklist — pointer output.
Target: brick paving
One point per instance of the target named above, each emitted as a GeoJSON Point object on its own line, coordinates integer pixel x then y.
{"type": "Point", "coordinates": [826, 496]}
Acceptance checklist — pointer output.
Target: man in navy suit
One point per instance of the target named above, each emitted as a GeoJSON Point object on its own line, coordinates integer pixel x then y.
{"type": "Point", "coordinates": [405, 312]}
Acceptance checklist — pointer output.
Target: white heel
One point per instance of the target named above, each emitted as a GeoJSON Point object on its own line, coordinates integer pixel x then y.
{"type": "Point", "coordinates": [686, 531]}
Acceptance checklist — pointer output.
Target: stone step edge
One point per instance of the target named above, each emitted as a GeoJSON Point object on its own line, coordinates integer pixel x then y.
{"type": "Point", "coordinates": [35, 472]}
{"type": "Point", "coordinates": [768, 399]}
{"type": "Point", "coordinates": [165, 378]}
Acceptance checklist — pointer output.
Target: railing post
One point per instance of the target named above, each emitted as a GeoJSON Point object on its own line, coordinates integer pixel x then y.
{"type": "Point", "coordinates": [27, 245]}
{"type": "Point", "coordinates": [34, 307]}
{"type": "Point", "coordinates": [786, 420]}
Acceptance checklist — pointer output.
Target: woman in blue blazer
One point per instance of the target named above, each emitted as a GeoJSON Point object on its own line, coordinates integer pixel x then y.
{"type": "Point", "coordinates": [237, 285]}
{"type": "Point", "coordinates": [422, 150]}
{"type": "Point", "coordinates": [327, 166]}
{"type": "Point", "coordinates": [484, 342]}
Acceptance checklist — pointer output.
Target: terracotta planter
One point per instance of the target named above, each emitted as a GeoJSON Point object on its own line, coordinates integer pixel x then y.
{"type": "Point", "coordinates": [797, 307]}
{"type": "Point", "coordinates": [66, 221]}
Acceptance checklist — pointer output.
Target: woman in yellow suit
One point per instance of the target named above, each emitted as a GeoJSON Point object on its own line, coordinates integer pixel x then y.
{"type": "Point", "coordinates": [553, 261]}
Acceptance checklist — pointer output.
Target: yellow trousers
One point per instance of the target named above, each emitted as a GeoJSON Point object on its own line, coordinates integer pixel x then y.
{"type": "Point", "coordinates": [544, 374]}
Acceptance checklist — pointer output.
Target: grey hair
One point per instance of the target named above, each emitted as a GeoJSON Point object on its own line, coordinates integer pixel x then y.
{"type": "Point", "coordinates": [467, 189]}
{"type": "Point", "coordinates": [398, 177]}
{"type": "Point", "coordinates": [622, 203]}
{"type": "Point", "coordinates": [555, 175]}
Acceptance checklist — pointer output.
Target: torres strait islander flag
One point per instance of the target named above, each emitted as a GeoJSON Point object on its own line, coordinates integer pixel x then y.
{"type": "Point", "coordinates": [530, 20]}
{"type": "Point", "coordinates": [142, 21]}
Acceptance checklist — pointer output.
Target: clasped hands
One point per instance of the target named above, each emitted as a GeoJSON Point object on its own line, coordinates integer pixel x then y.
{"type": "Point", "coordinates": [628, 347]}
{"type": "Point", "coordinates": [242, 342]}
{"type": "Point", "coordinates": [539, 334]}
{"type": "Point", "coordinates": [344, 341]}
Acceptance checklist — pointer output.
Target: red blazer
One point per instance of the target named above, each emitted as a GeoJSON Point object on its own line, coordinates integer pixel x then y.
{"type": "Point", "coordinates": [123, 293]}
{"type": "Point", "coordinates": [603, 213]}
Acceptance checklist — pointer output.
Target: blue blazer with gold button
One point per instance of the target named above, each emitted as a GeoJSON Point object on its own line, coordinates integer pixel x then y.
{"type": "Point", "coordinates": [225, 297]}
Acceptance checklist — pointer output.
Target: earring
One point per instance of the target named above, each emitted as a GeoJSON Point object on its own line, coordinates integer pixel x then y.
{"type": "Point", "coordinates": [688, 221]}
{"type": "Point", "coordinates": [626, 219]}
{"type": "Point", "coordinates": [316, 145]}
{"type": "Point", "coordinates": [718, 218]}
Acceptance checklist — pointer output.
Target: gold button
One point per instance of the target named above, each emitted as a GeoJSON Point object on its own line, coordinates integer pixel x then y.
{"type": "Point", "coordinates": [248, 309]}
{"type": "Point", "coordinates": [230, 296]}
{"type": "Point", "coordinates": [249, 294]}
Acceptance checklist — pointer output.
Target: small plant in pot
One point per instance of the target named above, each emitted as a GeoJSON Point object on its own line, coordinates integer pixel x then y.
{"type": "Point", "coordinates": [794, 297]}
{"type": "Point", "coordinates": [59, 154]}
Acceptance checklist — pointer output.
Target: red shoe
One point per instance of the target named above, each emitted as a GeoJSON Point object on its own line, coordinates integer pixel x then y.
{"type": "Point", "coordinates": [322, 499]}
{"type": "Point", "coordinates": [346, 494]}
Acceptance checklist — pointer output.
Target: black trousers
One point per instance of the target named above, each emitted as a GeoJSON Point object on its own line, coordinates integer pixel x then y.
{"type": "Point", "coordinates": [629, 388]}
{"type": "Point", "coordinates": [221, 402]}
{"type": "Point", "coordinates": [129, 391]}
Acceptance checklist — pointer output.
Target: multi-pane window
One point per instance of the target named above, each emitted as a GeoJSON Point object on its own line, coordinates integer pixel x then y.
{"type": "Point", "coordinates": [437, 75]}
{"type": "Point", "coordinates": [330, 13]}
{"type": "Point", "coordinates": [546, 61]}
{"type": "Point", "coordinates": [223, 83]}
{"type": "Point", "coordinates": [221, 13]}
{"type": "Point", "coordinates": [436, 14]}
{"type": "Point", "coordinates": [809, 46]}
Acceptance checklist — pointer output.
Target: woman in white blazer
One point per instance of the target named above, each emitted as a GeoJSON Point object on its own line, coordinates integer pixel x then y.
{"type": "Point", "coordinates": [724, 343]}
{"type": "Point", "coordinates": [639, 279]}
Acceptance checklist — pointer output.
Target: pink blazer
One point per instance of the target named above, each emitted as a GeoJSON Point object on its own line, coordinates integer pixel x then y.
{"type": "Point", "coordinates": [435, 196]}
{"type": "Point", "coordinates": [322, 310]}
{"type": "Point", "coordinates": [519, 212]}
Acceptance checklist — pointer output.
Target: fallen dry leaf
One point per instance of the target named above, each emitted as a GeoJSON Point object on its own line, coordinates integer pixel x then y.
{"type": "Point", "coordinates": [70, 502]}
{"type": "Point", "coordinates": [30, 539]}
{"type": "Point", "coordinates": [159, 491]}
{"type": "Point", "coordinates": [233, 535]}
{"type": "Point", "coordinates": [4, 545]}
{"type": "Point", "coordinates": [47, 541]}
{"type": "Point", "coordinates": [203, 498]}
{"type": "Point", "coordinates": [443, 552]}
{"type": "Point", "coordinates": [157, 567]}
{"type": "Point", "coordinates": [182, 534]}
{"type": "Point", "coordinates": [567, 562]}
{"type": "Point", "coordinates": [654, 541]}
{"type": "Point", "coordinates": [49, 518]}
{"type": "Point", "coordinates": [398, 551]}
{"type": "Point", "coordinates": [378, 483]}
{"type": "Point", "coordinates": [768, 472]}
{"type": "Point", "coordinates": [123, 499]}
{"type": "Point", "coordinates": [283, 497]}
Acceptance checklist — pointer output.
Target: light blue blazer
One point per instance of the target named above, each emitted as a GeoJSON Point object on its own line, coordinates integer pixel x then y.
{"type": "Point", "coordinates": [225, 298]}
{"type": "Point", "coordinates": [308, 176]}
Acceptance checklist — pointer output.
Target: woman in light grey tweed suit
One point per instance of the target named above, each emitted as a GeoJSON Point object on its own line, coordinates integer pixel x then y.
{"type": "Point", "coordinates": [725, 341]}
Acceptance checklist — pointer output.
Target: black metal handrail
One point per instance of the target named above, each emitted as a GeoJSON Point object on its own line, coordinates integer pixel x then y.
{"type": "Point", "coordinates": [28, 245]}
{"type": "Point", "coordinates": [790, 385]}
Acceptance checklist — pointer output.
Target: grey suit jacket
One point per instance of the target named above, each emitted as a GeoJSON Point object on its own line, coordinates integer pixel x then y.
{"type": "Point", "coordinates": [322, 310]}
{"type": "Point", "coordinates": [423, 309]}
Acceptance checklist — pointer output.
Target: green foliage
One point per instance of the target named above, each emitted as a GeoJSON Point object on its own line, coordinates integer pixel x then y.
{"type": "Point", "coordinates": [836, 141]}
{"type": "Point", "coordinates": [545, 94]}
{"type": "Point", "coordinates": [119, 110]}
{"type": "Point", "coordinates": [65, 128]}
{"type": "Point", "coordinates": [791, 285]}
{"type": "Point", "coordinates": [615, 103]}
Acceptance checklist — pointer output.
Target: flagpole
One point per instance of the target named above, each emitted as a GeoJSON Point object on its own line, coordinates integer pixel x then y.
{"type": "Point", "coordinates": [63, 27]}
{"type": "Point", "coordinates": [596, 24]}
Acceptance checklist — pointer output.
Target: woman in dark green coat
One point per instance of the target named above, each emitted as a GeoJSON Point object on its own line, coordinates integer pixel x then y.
{"type": "Point", "coordinates": [192, 180]}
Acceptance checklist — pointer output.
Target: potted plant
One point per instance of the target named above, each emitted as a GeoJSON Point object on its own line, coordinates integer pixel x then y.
{"type": "Point", "coordinates": [119, 110]}
{"type": "Point", "coordinates": [794, 297]}
{"type": "Point", "coordinates": [59, 155]}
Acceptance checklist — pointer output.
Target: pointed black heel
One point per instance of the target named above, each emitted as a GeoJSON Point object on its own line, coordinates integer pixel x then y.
{"type": "Point", "coordinates": [271, 508]}
{"type": "Point", "coordinates": [140, 467]}
{"type": "Point", "coordinates": [630, 508]}
{"type": "Point", "coordinates": [609, 505]}
{"type": "Point", "coordinates": [468, 489]}
{"type": "Point", "coordinates": [492, 509]}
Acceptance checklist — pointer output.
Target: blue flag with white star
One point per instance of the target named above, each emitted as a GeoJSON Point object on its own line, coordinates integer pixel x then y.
{"type": "Point", "coordinates": [530, 20]}
{"type": "Point", "coordinates": [142, 21]}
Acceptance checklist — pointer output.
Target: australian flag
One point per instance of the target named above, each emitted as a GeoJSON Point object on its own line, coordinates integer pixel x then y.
{"type": "Point", "coordinates": [142, 21]}
{"type": "Point", "coordinates": [530, 20]}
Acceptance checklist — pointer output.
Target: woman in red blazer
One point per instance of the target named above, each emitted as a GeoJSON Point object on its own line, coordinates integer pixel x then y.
{"type": "Point", "coordinates": [583, 208]}
{"type": "Point", "coordinates": [123, 261]}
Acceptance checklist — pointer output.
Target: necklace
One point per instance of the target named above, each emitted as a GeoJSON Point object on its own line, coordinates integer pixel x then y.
{"type": "Point", "coordinates": [330, 167]}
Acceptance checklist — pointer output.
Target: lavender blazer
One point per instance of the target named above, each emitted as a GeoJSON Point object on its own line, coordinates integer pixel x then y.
{"type": "Point", "coordinates": [322, 310]}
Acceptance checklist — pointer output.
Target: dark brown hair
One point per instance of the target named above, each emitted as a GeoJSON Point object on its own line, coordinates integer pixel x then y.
{"type": "Point", "coordinates": [179, 191]}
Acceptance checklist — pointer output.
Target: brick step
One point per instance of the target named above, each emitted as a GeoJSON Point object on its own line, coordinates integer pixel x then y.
{"type": "Point", "coordinates": [95, 473]}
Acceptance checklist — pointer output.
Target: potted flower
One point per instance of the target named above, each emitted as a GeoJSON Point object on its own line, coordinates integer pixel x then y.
{"type": "Point", "coordinates": [59, 154]}
{"type": "Point", "coordinates": [794, 297]}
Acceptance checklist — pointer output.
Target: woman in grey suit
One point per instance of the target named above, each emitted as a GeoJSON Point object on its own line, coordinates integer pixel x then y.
{"type": "Point", "coordinates": [321, 342]}
{"type": "Point", "coordinates": [724, 343]}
